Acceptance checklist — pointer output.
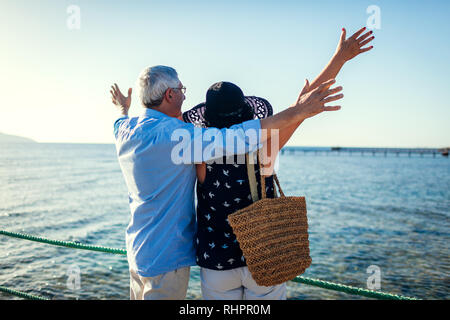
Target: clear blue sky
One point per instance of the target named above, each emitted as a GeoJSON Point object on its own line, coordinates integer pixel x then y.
{"type": "Point", "coordinates": [55, 81]}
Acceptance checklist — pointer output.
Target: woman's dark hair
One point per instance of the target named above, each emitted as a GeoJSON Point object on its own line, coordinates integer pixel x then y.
{"type": "Point", "coordinates": [226, 106]}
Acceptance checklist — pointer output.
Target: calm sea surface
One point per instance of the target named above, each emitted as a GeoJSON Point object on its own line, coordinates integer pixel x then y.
{"type": "Point", "coordinates": [391, 212]}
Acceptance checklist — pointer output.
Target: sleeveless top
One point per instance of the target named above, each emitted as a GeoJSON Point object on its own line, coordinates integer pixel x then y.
{"type": "Point", "coordinates": [225, 190]}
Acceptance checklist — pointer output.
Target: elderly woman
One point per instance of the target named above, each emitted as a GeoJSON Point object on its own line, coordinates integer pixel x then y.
{"type": "Point", "coordinates": [223, 187]}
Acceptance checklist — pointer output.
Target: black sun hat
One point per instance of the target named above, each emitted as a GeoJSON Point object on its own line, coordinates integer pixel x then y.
{"type": "Point", "coordinates": [226, 105]}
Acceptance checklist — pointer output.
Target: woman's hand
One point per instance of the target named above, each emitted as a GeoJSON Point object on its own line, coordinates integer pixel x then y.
{"type": "Point", "coordinates": [122, 102]}
{"type": "Point", "coordinates": [349, 48]}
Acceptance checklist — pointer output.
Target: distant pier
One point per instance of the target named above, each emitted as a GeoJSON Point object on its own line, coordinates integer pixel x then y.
{"type": "Point", "coordinates": [408, 152]}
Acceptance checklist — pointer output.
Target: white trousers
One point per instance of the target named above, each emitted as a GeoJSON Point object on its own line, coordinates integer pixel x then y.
{"type": "Point", "coordinates": [237, 284]}
{"type": "Point", "coordinates": [171, 285]}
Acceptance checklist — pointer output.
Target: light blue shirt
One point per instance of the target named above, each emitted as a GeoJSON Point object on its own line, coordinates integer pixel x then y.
{"type": "Point", "coordinates": [160, 235]}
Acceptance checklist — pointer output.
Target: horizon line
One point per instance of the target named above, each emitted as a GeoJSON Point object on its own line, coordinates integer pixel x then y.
{"type": "Point", "coordinates": [288, 146]}
{"type": "Point", "coordinates": [31, 140]}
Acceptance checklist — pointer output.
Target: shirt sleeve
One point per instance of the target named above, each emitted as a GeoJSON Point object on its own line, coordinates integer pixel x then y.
{"type": "Point", "coordinates": [196, 145]}
{"type": "Point", "coordinates": [117, 124]}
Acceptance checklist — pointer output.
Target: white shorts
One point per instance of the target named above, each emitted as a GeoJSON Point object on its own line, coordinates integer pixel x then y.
{"type": "Point", "coordinates": [237, 284]}
{"type": "Point", "coordinates": [171, 285]}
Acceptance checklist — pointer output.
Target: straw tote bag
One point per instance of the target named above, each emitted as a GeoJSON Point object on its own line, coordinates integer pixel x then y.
{"type": "Point", "coordinates": [273, 234]}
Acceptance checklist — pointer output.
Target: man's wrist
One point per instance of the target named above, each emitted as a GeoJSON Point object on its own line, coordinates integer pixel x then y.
{"type": "Point", "coordinates": [124, 111]}
{"type": "Point", "coordinates": [299, 113]}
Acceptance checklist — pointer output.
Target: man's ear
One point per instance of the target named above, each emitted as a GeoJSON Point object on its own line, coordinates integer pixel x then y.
{"type": "Point", "coordinates": [168, 95]}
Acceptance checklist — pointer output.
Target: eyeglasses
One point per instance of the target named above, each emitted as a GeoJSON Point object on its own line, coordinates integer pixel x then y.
{"type": "Point", "coordinates": [183, 89]}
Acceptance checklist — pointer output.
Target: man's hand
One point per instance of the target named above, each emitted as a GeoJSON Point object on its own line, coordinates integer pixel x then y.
{"type": "Point", "coordinates": [122, 102]}
{"type": "Point", "coordinates": [305, 89]}
{"type": "Point", "coordinates": [313, 102]}
{"type": "Point", "coordinates": [307, 106]}
{"type": "Point", "coordinates": [349, 48]}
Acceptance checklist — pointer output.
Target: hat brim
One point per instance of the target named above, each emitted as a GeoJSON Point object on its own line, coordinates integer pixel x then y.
{"type": "Point", "coordinates": [261, 109]}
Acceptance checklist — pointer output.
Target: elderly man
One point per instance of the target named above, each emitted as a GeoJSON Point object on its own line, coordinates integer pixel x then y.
{"type": "Point", "coordinates": [160, 235]}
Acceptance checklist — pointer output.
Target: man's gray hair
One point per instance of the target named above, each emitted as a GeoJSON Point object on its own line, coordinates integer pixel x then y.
{"type": "Point", "coordinates": [153, 83]}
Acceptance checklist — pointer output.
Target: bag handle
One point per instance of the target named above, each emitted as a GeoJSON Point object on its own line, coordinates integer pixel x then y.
{"type": "Point", "coordinates": [252, 179]}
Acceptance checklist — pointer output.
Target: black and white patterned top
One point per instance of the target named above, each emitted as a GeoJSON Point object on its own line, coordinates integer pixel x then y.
{"type": "Point", "coordinates": [225, 190]}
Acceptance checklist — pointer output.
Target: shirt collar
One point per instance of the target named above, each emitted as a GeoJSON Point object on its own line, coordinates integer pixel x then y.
{"type": "Point", "coordinates": [154, 113]}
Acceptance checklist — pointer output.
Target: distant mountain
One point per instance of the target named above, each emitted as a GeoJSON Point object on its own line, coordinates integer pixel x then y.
{"type": "Point", "coordinates": [7, 138]}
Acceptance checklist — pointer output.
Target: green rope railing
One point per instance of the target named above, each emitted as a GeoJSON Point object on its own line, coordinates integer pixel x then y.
{"type": "Point", "coordinates": [21, 294]}
{"type": "Point", "coordinates": [350, 290]}
{"type": "Point", "coordinates": [68, 244]}
{"type": "Point", "coordinates": [308, 281]}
